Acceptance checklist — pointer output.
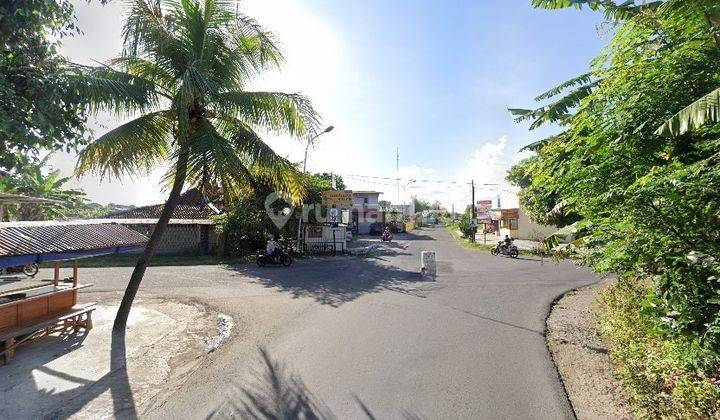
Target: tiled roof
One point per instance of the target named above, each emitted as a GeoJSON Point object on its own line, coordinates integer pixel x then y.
{"type": "Point", "coordinates": [192, 205]}
{"type": "Point", "coordinates": [58, 237]}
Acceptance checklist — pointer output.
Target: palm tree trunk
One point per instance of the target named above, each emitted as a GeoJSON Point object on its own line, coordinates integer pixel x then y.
{"type": "Point", "coordinates": [139, 271]}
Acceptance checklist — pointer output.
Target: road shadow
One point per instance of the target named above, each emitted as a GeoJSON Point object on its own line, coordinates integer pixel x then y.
{"type": "Point", "coordinates": [334, 281]}
{"type": "Point", "coordinates": [413, 236]}
{"type": "Point", "coordinates": [274, 393]}
{"type": "Point", "coordinates": [48, 402]}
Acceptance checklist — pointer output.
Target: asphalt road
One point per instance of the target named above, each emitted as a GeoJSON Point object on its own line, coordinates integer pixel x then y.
{"type": "Point", "coordinates": [368, 338]}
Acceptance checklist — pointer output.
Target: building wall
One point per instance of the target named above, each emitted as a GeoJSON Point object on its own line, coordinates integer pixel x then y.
{"type": "Point", "coordinates": [183, 239]}
{"type": "Point", "coordinates": [527, 229]}
{"type": "Point", "coordinates": [373, 200]}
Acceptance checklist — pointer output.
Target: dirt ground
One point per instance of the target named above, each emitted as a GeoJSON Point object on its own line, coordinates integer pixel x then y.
{"type": "Point", "coordinates": [583, 359]}
{"type": "Point", "coordinates": [83, 376]}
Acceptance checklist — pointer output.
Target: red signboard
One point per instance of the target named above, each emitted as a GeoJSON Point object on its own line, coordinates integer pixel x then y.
{"type": "Point", "coordinates": [510, 213]}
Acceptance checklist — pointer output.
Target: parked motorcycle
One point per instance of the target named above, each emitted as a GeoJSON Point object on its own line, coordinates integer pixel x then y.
{"type": "Point", "coordinates": [29, 270]}
{"type": "Point", "coordinates": [510, 250]}
{"type": "Point", "coordinates": [282, 256]}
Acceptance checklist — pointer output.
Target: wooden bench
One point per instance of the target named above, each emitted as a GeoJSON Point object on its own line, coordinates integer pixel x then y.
{"type": "Point", "coordinates": [65, 323]}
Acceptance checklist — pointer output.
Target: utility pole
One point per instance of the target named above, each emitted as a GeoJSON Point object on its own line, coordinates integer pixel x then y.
{"type": "Point", "coordinates": [397, 172]}
{"type": "Point", "coordinates": [473, 222]}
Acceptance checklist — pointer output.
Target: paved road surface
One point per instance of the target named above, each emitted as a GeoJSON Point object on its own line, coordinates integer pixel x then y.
{"type": "Point", "coordinates": [359, 338]}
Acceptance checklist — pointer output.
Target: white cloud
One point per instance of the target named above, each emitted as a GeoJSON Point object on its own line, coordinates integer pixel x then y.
{"type": "Point", "coordinates": [414, 171]}
{"type": "Point", "coordinates": [487, 164]}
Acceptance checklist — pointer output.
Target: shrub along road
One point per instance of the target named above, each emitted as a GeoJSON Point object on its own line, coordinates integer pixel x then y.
{"type": "Point", "coordinates": [353, 338]}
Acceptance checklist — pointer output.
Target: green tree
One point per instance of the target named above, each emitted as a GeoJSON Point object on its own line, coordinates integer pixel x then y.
{"type": "Point", "coordinates": [36, 180]}
{"type": "Point", "coordinates": [648, 197]}
{"type": "Point", "coordinates": [52, 186]}
{"type": "Point", "coordinates": [184, 69]}
{"type": "Point", "coordinates": [41, 108]}
{"type": "Point", "coordinates": [421, 204]}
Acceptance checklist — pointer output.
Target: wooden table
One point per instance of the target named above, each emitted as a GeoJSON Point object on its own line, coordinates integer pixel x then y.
{"type": "Point", "coordinates": [21, 312]}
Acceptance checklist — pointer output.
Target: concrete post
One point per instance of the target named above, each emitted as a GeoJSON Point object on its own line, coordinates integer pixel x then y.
{"type": "Point", "coordinates": [427, 263]}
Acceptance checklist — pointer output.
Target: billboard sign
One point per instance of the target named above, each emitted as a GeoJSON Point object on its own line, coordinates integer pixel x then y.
{"type": "Point", "coordinates": [337, 198]}
{"type": "Point", "coordinates": [484, 208]}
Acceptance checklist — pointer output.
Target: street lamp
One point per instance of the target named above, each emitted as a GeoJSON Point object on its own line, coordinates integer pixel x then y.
{"type": "Point", "coordinates": [412, 181]}
{"type": "Point", "coordinates": [312, 139]}
{"type": "Point", "coordinates": [307, 146]}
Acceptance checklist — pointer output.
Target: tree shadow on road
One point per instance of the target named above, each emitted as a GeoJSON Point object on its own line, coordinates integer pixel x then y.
{"type": "Point", "coordinates": [335, 281]}
{"type": "Point", "coordinates": [274, 393]}
{"type": "Point", "coordinates": [66, 403]}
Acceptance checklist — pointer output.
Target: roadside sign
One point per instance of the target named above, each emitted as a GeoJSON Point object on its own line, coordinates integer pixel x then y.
{"type": "Point", "coordinates": [509, 213]}
{"type": "Point", "coordinates": [337, 198]}
{"type": "Point", "coordinates": [484, 208]}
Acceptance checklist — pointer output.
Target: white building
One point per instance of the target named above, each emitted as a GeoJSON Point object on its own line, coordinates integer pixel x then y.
{"type": "Point", "coordinates": [517, 224]}
{"type": "Point", "coordinates": [366, 210]}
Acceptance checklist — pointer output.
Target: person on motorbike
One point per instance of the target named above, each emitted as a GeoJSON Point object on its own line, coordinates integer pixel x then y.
{"type": "Point", "coordinates": [507, 242]}
{"type": "Point", "coordinates": [272, 247]}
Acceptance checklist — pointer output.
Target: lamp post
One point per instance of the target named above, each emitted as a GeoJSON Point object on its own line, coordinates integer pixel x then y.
{"type": "Point", "coordinates": [307, 147]}
{"type": "Point", "coordinates": [310, 142]}
{"type": "Point", "coordinates": [412, 181]}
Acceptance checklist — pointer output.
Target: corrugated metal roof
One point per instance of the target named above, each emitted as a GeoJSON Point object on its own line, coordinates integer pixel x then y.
{"type": "Point", "coordinates": [59, 237]}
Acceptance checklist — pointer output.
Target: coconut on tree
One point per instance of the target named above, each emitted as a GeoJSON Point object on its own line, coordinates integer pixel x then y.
{"type": "Point", "coordinates": [182, 77]}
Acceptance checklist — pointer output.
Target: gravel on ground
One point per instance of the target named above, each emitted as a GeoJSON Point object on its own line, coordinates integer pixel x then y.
{"type": "Point", "coordinates": [583, 359]}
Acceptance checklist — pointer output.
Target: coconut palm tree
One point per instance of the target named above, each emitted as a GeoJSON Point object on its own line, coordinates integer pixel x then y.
{"type": "Point", "coordinates": [183, 74]}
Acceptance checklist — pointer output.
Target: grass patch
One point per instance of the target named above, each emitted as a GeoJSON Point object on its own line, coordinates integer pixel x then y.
{"type": "Point", "coordinates": [129, 260]}
{"type": "Point", "coordinates": [466, 242]}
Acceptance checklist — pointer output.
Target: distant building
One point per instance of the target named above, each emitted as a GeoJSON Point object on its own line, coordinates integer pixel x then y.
{"type": "Point", "coordinates": [407, 210]}
{"type": "Point", "coordinates": [517, 224]}
{"type": "Point", "coordinates": [190, 230]}
{"type": "Point", "coordinates": [366, 210]}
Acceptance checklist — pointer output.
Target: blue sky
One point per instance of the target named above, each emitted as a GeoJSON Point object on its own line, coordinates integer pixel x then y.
{"type": "Point", "coordinates": [432, 78]}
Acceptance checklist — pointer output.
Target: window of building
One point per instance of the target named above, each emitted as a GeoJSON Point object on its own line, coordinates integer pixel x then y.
{"type": "Point", "coordinates": [513, 224]}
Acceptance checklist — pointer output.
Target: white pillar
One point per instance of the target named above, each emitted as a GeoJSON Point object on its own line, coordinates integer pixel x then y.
{"type": "Point", "coordinates": [427, 263]}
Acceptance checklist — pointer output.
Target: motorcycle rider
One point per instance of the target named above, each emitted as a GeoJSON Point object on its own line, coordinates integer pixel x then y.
{"type": "Point", "coordinates": [505, 243]}
{"type": "Point", "coordinates": [508, 241]}
{"type": "Point", "coordinates": [272, 247]}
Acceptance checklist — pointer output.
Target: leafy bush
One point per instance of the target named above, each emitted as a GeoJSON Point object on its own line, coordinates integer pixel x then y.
{"type": "Point", "coordinates": [663, 377]}
{"type": "Point", "coordinates": [246, 226]}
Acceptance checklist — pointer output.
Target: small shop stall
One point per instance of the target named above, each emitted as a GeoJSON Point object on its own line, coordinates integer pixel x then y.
{"type": "Point", "coordinates": [323, 239]}
{"type": "Point", "coordinates": [32, 308]}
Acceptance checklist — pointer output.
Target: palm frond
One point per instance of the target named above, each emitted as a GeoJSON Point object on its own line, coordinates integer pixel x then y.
{"type": "Point", "coordinates": [107, 89]}
{"type": "Point", "coordinates": [153, 32]}
{"type": "Point", "coordinates": [147, 70]}
{"type": "Point", "coordinates": [583, 79]}
{"type": "Point", "coordinates": [135, 147]}
{"type": "Point", "coordinates": [704, 110]}
{"type": "Point", "coordinates": [264, 163]}
{"type": "Point", "coordinates": [539, 144]}
{"type": "Point", "coordinates": [275, 111]}
{"type": "Point", "coordinates": [613, 11]}
{"type": "Point", "coordinates": [215, 163]}
{"type": "Point", "coordinates": [556, 111]}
